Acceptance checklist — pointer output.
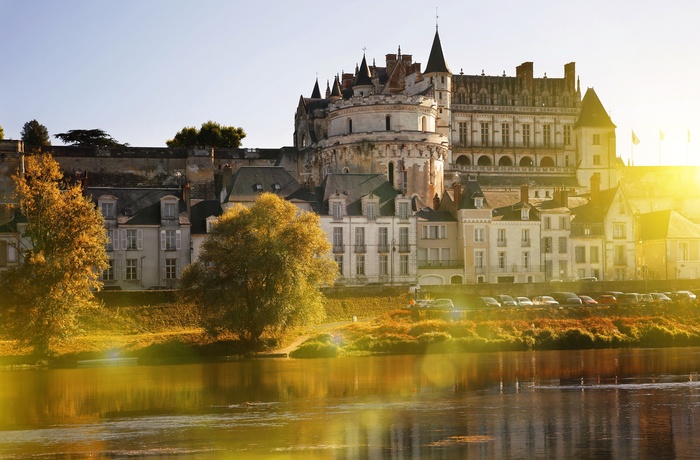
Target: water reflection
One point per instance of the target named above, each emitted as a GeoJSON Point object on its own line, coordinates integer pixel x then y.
{"type": "Point", "coordinates": [593, 403]}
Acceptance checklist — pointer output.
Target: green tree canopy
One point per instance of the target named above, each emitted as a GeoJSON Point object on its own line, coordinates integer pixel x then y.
{"type": "Point", "coordinates": [61, 263]}
{"type": "Point", "coordinates": [260, 270]}
{"type": "Point", "coordinates": [2, 133]}
{"type": "Point", "coordinates": [34, 134]}
{"type": "Point", "coordinates": [88, 138]}
{"type": "Point", "coordinates": [211, 134]}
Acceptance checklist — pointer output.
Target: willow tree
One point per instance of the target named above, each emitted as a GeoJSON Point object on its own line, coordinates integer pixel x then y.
{"type": "Point", "coordinates": [260, 270]}
{"type": "Point", "coordinates": [63, 256]}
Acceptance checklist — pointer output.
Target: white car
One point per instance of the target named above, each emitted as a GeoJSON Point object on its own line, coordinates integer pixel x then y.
{"type": "Point", "coordinates": [524, 302]}
{"type": "Point", "coordinates": [544, 300]}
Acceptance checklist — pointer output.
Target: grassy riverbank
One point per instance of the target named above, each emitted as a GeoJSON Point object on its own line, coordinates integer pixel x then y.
{"type": "Point", "coordinates": [168, 332]}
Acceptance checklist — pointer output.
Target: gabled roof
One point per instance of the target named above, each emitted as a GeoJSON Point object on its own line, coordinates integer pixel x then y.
{"type": "Point", "coordinates": [593, 212]}
{"type": "Point", "coordinates": [436, 61]}
{"type": "Point", "coordinates": [668, 224]}
{"type": "Point", "coordinates": [250, 181]}
{"type": "Point", "coordinates": [139, 206]}
{"type": "Point", "coordinates": [435, 216]}
{"type": "Point", "coordinates": [355, 186]}
{"type": "Point", "coordinates": [363, 78]}
{"type": "Point", "coordinates": [593, 114]}
{"type": "Point", "coordinates": [513, 212]}
{"type": "Point", "coordinates": [200, 211]}
{"type": "Point", "coordinates": [336, 91]}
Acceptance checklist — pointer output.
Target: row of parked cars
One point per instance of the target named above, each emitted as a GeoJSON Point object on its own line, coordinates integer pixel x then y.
{"type": "Point", "coordinates": [609, 298]}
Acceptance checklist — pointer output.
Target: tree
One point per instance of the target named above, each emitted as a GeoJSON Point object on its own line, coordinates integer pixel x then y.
{"type": "Point", "coordinates": [88, 138]}
{"type": "Point", "coordinates": [211, 134]}
{"type": "Point", "coordinates": [66, 253]}
{"type": "Point", "coordinates": [2, 133]}
{"type": "Point", "coordinates": [260, 270]}
{"type": "Point", "coordinates": [34, 134]}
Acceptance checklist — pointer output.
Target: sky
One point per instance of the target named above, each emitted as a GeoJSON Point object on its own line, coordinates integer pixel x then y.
{"type": "Point", "coordinates": [141, 70]}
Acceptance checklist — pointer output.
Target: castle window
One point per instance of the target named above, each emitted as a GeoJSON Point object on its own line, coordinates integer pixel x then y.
{"type": "Point", "coordinates": [391, 174]}
{"type": "Point", "coordinates": [484, 134]}
{"type": "Point", "coordinates": [349, 125]}
{"type": "Point", "coordinates": [462, 134]}
{"type": "Point", "coordinates": [596, 139]}
{"type": "Point", "coordinates": [546, 135]}
{"type": "Point", "coordinates": [505, 134]}
{"type": "Point", "coordinates": [388, 122]}
{"type": "Point", "coordinates": [567, 134]}
{"type": "Point", "coordinates": [423, 124]}
{"type": "Point", "coordinates": [596, 159]}
{"type": "Point", "coordinates": [526, 135]}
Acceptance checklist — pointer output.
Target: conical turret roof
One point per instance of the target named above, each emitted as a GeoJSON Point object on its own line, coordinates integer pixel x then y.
{"type": "Point", "coordinates": [316, 93]}
{"type": "Point", "coordinates": [436, 61]}
{"type": "Point", "coordinates": [363, 78]}
{"type": "Point", "coordinates": [593, 114]}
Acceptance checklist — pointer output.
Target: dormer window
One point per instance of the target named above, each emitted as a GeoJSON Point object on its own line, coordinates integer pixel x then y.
{"type": "Point", "coordinates": [402, 208]}
{"type": "Point", "coordinates": [370, 206]}
{"type": "Point", "coordinates": [169, 207]}
{"type": "Point", "coordinates": [336, 207]}
{"type": "Point", "coordinates": [108, 207]}
{"type": "Point", "coordinates": [258, 187]}
{"type": "Point", "coordinates": [479, 202]}
{"type": "Point", "coordinates": [276, 187]}
{"type": "Point", "coordinates": [525, 213]}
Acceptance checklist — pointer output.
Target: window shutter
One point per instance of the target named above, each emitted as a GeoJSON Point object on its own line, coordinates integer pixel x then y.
{"type": "Point", "coordinates": [177, 269]}
{"type": "Point", "coordinates": [139, 241]}
{"type": "Point", "coordinates": [162, 240]}
{"type": "Point", "coordinates": [165, 269]}
{"type": "Point", "coordinates": [123, 270]}
{"type": "Point", "coordinates": [178, 239]}
{"type": "Point", "coordinates": [138, 268]}
{"type": "Point", "coordinates": [123, 245]}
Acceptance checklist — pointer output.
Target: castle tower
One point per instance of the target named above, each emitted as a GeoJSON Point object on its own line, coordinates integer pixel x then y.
{"type": "Point", "coordinates": [439, 76]}
{"type": "Point", "coordinates": [595, 142]}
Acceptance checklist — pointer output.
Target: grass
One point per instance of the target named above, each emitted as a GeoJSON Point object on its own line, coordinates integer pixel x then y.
{"type": "Point", "coordinates": [169, 332]}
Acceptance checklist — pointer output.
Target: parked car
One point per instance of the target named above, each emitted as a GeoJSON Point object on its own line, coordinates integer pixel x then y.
{"type": "Point", "coordinates": [486, 302]}
{"type": "Point", "coordinates": [544, 300]}
{"type": "Point", "coordinates": [683, 297]}
{"type": "Point", "coordinates": [442, 303]}
{"type": "Point", "coordinates": [589, 279]}
{"type": "Point", "coordinates": [646, 299]}
{"type": "Point", "coordinates": [606, 299]}
{"type": "Point", "coordinates": [658, 298]}
{"type": "Point", "coordinates": [566, 298]}
{"type": "Point", "coordinates": [587, 300]}
{"type": "Point", "coordinates": [506, 300]}
{"type": "Point", "coordinates": [524, 302]}
{"type": "Point", "coordinates": [629, 299]}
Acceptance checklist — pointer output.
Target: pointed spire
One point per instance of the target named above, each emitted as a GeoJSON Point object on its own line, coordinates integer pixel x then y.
{"type": "Point", "coordinates": [593, 114]}
{"type": "Point", "coordinates": [316, 93]}
{"type": "Point", "coordinates": [363, 77]}
{"type": "Point", "coordinates": [328, 88]}
{"type": "Point", "coordinates": [336, 93]}
{"type": "Point", "coordinates": [436, 61]}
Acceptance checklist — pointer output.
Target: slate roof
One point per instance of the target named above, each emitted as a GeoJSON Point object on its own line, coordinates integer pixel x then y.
{"type": "Point", "coordinates": [200, 211]}
{"type": "Point", "coordinates": [436, 61]}
{"type": "Point", "coordinates": [435, 216]}
{"type": "Point", "coordinates": [593, 114]}
{"type": "Point", "coordinates": [316, 93]}
{"type": "Point", "coordinates": [668, 224]}
{"type": "Point", "coordinates": [354, 187]}
{"type": "Point", "coordinates": [515, 181]}
{"type": "Point", "coordinates": [363, 77]}
{"type": "Point", "coordinates": [595, 212]}
{"type": "Point", "coordinates": [139, 206]}
{"type": "Point", "coordinates": [513, 212]}
{"type": "Point", "coordinates": [250, 181]}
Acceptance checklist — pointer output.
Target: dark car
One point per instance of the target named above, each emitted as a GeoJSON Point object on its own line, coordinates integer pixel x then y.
{"type": "Point", "coordinates": [587, 300]}
{"type": "Point", "coordinates": [606, 299]}
{"type": "Point", "coordinates": [566, 298]}
{"type": "Point", "coordinates": [486, 302]}
{"type": "Point", "coordinates": [506, 300]}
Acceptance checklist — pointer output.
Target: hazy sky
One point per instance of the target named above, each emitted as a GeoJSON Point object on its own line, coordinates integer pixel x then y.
{"type": "Point", "coordinates": [143, 69]}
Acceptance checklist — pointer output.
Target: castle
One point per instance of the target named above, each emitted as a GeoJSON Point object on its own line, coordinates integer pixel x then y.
{"type": "Point", "coordinates": [419, 176]}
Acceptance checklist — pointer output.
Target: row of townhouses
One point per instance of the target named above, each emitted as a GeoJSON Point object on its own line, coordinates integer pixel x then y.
{"type": "Point", "coordinates": [418, 175]}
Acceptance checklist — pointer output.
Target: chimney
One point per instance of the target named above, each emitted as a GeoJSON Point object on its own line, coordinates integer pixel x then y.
{"type": "Point", "coordinates": [227, 173]}
{"type": "Point", "coordinates": [564, 197]}
{"type": "Point", "coordinates": [457, 195]}
{"type": "Point", "coordinates": [595, 189]}
{"type": "Point", "coordinates": [570, 77]}
{"type": "Point", "coordinates": [524, 193]}
{"type": "Point", "coordinates": [525, 72]}
{"type": "Point", "coordinates": [187, 197]}
{"type": "Point", "coordinates": [436, 202]}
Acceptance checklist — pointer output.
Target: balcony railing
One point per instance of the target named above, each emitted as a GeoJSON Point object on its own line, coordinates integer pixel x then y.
{"type": "Point", "coordinates": [383, 248]}
{"type": "Point", "coordinates": [338, 248]}
{"type": "Point", "coordinates": [360, 248]}
{"type": "Point", "coordinates": [502, 243]}
{"type": "Point", "coordinates": [440, 264]}
{"type": "Point", "coordinates": [525, 243]}
{"type": "Point", "coordinates": [404, 248]}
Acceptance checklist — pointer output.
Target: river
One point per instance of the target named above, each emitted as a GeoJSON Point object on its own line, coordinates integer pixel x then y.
{"type": "Point", "coordinates": [629, 403]}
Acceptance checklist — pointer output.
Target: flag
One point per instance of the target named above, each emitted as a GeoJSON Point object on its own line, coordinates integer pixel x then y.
{"type": "Point", "coordinates": [635, 139]}
{"type": "Point", "coordinates": [661, 135]}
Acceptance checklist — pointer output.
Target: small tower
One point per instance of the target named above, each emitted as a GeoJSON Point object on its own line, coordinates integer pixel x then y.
{"type": "Point", "coordinates": [595, 142]}
{"type": "Point", "coordinates": [440, 78]}
{"type": "Point", "coordinates": [363, 85]}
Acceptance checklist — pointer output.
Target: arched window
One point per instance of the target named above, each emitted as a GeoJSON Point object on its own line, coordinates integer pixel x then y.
{"type": "Point", "coordinates": [505, 161]}
{"type": "Point", "coordinates": [547, 162]}
{"type": "Point", "coordinates": [346, 170]}
{"type": "Point", "coordinates": [526, 161]}
{"type": "Point", "coordinates": [463, 160]}
{"type": "Point", "coordinates": [388, 122]}
{"type": "Point", "coordinates": [484, 160]}
{"type": "Point", "coordinates": [391, 173]}
{"type": "Point", "coordinates": [349, 125]}
{"type": "Point", "coordinates": [424, 124]}
{"type": "Point", "coordinates": [303, 140]}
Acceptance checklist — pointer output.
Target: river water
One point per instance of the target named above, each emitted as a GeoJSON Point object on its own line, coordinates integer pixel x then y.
{"type": "Point", "coordinates": [559, 404]}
